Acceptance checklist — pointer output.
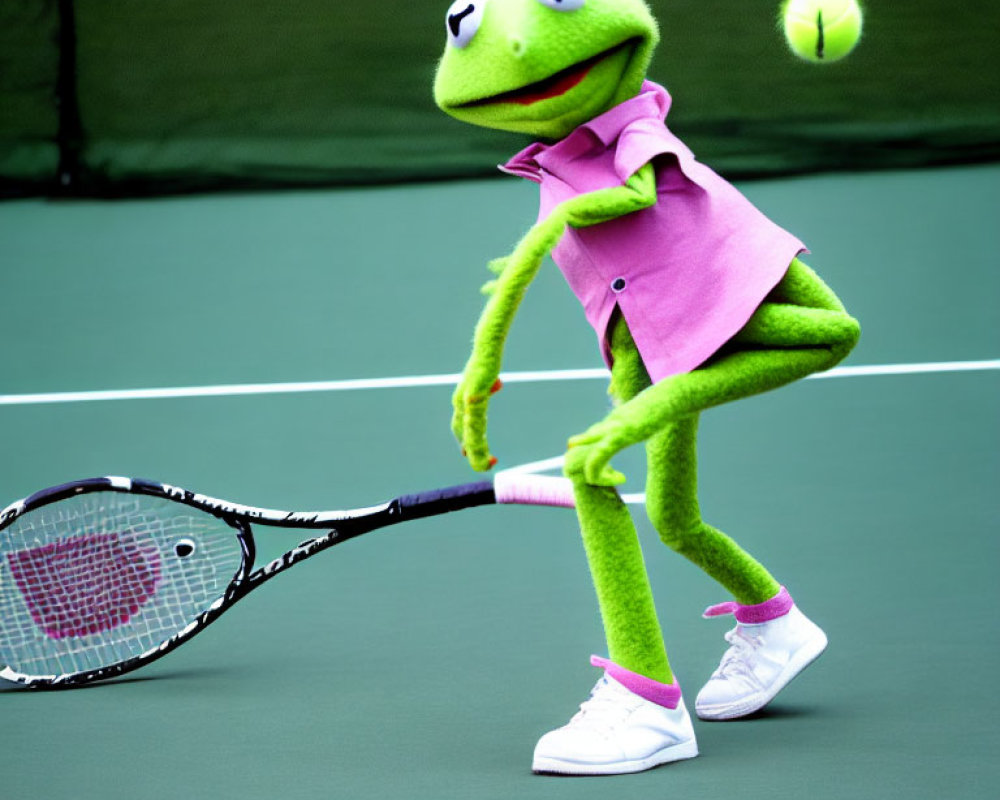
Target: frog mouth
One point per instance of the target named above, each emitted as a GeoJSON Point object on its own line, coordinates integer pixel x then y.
{"type": "Point", "coordinates": [552, 86]}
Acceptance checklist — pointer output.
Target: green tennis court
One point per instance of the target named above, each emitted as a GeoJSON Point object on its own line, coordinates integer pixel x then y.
{"type": "Point", "coordinates": [424, 661]}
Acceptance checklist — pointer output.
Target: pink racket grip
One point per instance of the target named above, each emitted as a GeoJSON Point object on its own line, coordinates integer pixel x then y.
{"type": "Point", "coordinates": [528, 489]}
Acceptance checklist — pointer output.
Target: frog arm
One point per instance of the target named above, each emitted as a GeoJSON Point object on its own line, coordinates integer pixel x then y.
{"type": "Point", "coordinates": [637, 193]}
{"type": "Point", "coordinates": [480, 377]}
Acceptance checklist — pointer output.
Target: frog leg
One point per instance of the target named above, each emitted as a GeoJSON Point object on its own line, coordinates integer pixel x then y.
{"type": "Point", "coordinates": [624, 595]}
{"type": "Point", "coordinates": [801, 328]}
{"type": "Point", "coordinates": [672, 506]}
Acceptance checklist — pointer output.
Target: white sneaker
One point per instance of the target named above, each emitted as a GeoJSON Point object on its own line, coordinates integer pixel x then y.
{"type": "Point", "coordinates": [617, 731]}
{"type": "Point", "coordinates": [763, 658]}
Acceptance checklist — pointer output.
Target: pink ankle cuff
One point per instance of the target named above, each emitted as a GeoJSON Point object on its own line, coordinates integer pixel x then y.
{"type": "Point", "coordinates": [777, 606]}
{"type": "Point", "coordinates": [667, 695]}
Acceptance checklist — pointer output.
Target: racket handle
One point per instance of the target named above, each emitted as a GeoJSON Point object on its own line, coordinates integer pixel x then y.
{"type": "Point", "coordinates": [507, 487]}
{"type": "Point", "coordinates": [441, 501]}
{"type": "Point", "coordinates": [533, 490]}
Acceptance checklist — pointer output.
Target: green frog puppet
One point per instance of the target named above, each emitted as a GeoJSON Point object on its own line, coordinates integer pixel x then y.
{"type": "Point", "coordinates": [696, 298]}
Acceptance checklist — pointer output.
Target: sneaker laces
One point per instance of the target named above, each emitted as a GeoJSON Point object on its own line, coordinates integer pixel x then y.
{"type": "Point", "coordinates": [608, 706]}
{"type": "Point", "coordinates": [739, 660]}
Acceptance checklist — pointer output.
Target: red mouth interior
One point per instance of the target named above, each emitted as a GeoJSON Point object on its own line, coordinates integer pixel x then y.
{"type": "Point", "coordinates": [550, 87]}
{"type": "Point", "coordinates": [558, 84]}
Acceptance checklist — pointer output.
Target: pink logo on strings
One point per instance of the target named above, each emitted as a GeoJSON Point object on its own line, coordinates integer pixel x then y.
{"type": "Point", "coordinates": [86, 584]}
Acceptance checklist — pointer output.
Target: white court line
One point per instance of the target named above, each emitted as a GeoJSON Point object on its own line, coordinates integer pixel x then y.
{"type": "Point", "coordinates": [639, 498]}
{"type": "Point", "coordinates": [405, 382]}
{"type": "Point", "coordinates": [537, 466]}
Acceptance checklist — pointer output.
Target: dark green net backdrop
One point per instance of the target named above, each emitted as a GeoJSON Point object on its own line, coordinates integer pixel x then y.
{"type": "Point", "coordinates": [133, 96]}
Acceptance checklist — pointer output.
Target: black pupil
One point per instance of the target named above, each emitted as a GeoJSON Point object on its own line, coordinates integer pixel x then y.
{"type": "Point", "coordinates": [183, 549]}
{"type": "Point", "coordinates": [455, 20]}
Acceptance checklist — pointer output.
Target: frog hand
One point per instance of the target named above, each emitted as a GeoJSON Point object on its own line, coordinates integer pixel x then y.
{"type": "Point", "coordinates": [468, 421]}
{"type": "Point", "coordinates": [497, 267]}
{"type": "Point", "coordinates": [590, 453]}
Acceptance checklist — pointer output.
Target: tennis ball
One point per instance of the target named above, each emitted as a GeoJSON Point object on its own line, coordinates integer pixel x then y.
{"type": "Point", "coordinates": [822, 30]}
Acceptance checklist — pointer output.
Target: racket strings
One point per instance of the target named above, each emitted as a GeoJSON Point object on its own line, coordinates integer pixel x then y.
{"type": "Point", "coordinates": [101, 578]}
{"type": "Point", "coordinates": [86, 584]}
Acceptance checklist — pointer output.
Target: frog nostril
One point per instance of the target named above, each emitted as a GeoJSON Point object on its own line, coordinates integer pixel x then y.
{"type": "Point", "coordinates": [517, 46]}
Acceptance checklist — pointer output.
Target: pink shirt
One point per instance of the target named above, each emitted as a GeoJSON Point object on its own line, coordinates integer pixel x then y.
{"type": "Point", "coordinates": [688, 272]}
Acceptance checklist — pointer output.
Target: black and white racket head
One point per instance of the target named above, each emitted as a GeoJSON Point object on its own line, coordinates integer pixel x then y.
{"type": "Point", "coordinates": [103, 575]}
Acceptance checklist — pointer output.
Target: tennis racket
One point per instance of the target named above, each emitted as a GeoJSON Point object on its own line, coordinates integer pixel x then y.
{"type": "Point", "coordinates": [102, 576]}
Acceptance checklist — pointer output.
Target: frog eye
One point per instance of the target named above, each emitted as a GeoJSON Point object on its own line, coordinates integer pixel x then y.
{"type": "Point", "coordinates": [462, 21]}
{"type": "Point", "coordinates": [563, 5]}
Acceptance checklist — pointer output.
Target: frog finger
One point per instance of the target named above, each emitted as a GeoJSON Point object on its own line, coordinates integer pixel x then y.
{"type": "Point", "coordinates": [498, 265]}
{"type": "Point", "coordinates": [583, 439]}
{"type": "Point", "coordinates": [588, 465]}
{"type": "Point", "coordinates": [603, 431]}
{"type": "Point", "coordinates": [599, 472]}
{"type": "Point", "coordinates": [573, 465]}
{"type": "Point", "coordinates": [474, 434]}
{"type": "Point", "coordinates": [458, 415]}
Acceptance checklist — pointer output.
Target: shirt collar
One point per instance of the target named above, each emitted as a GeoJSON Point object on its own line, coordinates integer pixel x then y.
{"type": "Point", "coordinates": [524, 164]}
{"type": "Point", "coordinates": [652, 102]}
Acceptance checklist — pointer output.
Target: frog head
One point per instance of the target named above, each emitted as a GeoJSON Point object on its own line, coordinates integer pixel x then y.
{"type": "Point", "coordinates": [542, 67]}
